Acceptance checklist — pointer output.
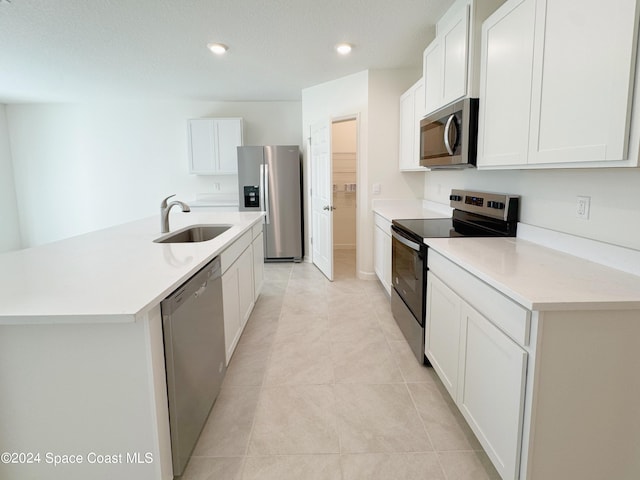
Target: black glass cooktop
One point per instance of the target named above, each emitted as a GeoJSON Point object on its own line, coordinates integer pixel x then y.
{"type": "Point", "coordinates": [427, 228]}
{"type": "Point", "coordinates": [463, 224]}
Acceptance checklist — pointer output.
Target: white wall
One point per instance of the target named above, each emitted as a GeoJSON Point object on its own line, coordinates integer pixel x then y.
{"type": "Point", "coordinates": [373, 95]}
{"type": "Point", "coordinates": [549, 198]}
{"type": "Point", "coordinates": [82, 167]}
{"type": "Point", "coordinates": [9, 222]}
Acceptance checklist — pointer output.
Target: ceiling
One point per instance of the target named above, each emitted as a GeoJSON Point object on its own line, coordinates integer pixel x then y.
{"type": "Point", "coordinates": [73, 50]}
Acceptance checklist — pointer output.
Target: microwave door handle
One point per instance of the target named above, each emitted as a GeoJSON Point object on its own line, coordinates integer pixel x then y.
{"type": "Point", "coordinates": [447, 130]}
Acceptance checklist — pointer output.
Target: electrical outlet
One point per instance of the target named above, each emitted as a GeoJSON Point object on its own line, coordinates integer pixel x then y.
{"type": "Point", "coordinates": [582, 207]}
{"type": "Point", "coordinates": [377, 188]}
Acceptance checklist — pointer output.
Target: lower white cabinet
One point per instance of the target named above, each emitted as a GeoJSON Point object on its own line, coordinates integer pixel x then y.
{"type": "Point", "coordinates": [238, 299]}
{"type": "Point", "coordinates": [237, 289]}
{"type": "Point", "coordinates": [382, 251]}
{"type": "Point", "coordinates": [442, 340]}
{"type": "Point", "coordinates": [550, 394]}
{"type": "Point", "coordinates": [491, 389]}
{"type": "Point", "coordinates": [482, 368]}
{"type": "Point", "coordinates": [245, 285]}
{"type": "Point", "coordinates": [258, 264]}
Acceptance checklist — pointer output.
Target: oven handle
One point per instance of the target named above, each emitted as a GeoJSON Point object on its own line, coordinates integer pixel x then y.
{"type": "Point", "coordinates": [412, 245]}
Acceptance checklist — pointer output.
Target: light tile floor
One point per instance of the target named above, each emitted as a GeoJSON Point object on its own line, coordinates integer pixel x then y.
{"type": "Point", "coordinates": [323, 386]}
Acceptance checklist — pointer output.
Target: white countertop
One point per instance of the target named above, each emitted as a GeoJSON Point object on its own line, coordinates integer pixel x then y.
{"type": "Point", "coordinates": [111, 275]}
{"type": "Point", "coordinates": [540, 278]}
{"type": "Point", "coordinates": [396, 209]}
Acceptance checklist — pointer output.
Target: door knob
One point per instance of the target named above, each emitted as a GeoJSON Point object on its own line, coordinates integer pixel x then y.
{"type": "Point", "coordinates": [329, 208]}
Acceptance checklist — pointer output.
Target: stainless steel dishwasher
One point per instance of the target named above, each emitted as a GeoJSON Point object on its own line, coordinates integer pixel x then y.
{"type": "Point", "coordinates": [193, 325]}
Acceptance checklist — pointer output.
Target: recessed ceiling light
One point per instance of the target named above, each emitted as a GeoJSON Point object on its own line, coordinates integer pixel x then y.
{"type": "Point", "coordinates": [218, 48]}
{"type": "Point", "coordinates": [343, 48]}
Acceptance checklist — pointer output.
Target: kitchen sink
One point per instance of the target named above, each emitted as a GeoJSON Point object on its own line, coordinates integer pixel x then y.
{"type": "Point", "coordinates": [194, 233]}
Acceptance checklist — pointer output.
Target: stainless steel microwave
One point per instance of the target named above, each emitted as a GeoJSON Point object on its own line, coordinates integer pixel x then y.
{"type": "Point", "coordinates": [449, 136]}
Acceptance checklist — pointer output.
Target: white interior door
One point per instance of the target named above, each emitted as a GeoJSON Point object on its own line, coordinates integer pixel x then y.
{"type": "Point", "coordinates": [321, 198]}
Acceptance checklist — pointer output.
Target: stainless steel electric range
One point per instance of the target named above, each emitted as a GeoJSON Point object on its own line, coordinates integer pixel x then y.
{"type": "Point", "coordinates": [475, 214]}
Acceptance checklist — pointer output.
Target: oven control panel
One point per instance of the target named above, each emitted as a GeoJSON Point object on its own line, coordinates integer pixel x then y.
{"type": "Point", "coordinates": [496, 205]}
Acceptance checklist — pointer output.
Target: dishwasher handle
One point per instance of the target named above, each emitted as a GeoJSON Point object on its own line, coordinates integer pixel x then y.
{"type": "Point", "coordinates": [201, 289]}
{"type": "Point", "coordinates": [193, 286]}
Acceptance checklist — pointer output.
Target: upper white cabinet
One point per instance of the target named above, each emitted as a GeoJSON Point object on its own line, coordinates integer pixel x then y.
{"type": "Point", "coordinates": [557, 82]}
{"type": "Point", "coordinates": [506, 84]}
{"type": "Point", "coordinates": [451, 61]}
{"type": "Point", "coordinates": [411, 111]}
{"type": "Point", "coordinates": [212, 145]}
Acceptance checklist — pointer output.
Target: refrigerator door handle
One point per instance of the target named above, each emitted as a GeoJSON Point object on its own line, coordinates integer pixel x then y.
{"type": "Point", "coordinates": [264, 190]}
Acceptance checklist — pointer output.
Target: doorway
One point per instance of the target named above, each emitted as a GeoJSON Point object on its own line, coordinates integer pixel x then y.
{"type": "Point", "coordinates": [344, 174]}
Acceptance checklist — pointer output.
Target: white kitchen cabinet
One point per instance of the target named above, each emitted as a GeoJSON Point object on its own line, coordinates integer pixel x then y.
{"type": "Point", "coordinates": [231, 309]}
{"type": "Point", "coordinates": [258, 263]}
{"type": "Point", "coordinates": [237, 289]}
{"type": "Point", "coordinates": [382, 251]}
{"type": "Point", "coordinates": [246, 285]}
{"type": "Point", "coordinates": [505, 84]}
{"type": "Point", "coordinates": [492, 386]}
{"type": "Point", "coordinates": [411, 111]}
{"type": "Point", "coordinates": [552, 392]}
{"type": "Point", "coordinates": [433, 76]}
{"type": "Point", "coordinates": [451, 61]}
{"type": "Point", "coordinates": [442, 337]}
{"type": "Point", "coordinates": [565, 84]}
{"type": "Point", "coordinates": [445, 60]}
{"type": "Point", "coordinates": [479, 357]}
{"type": "Point", "coordinates": [212, 145]}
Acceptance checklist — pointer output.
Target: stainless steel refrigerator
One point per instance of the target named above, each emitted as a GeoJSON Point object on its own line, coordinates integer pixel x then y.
{"type": "Point", "coordinates": [269, 180]}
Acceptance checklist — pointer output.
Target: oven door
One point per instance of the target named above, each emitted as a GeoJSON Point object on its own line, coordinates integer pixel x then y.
{"type": "Point", "coordinates": [408, 272]}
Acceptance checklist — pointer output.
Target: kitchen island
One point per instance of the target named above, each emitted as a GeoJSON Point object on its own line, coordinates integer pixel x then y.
{"type": "Point", "coordinates": [83, 389]}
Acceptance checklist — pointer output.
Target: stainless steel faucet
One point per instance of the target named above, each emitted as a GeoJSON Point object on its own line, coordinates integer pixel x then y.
{"type": "Point", "coordinates": [164, 212]}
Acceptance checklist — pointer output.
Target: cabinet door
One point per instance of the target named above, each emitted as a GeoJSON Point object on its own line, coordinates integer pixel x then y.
{"type": "Point", "coordinates": [378, 253]}
{"type": "Point", "coordinates": [583, 78]}
{"type": "Point", "coordinates": [228, 138]}
{"type": "Point", "coordinates": [432, 74]}
{"type": "Point", "coordinates": [455, 48]}
{"type": "Point", "coordinates": [202, 149]}
{"type": "Point", "coordinates": [411, 112]}
{"type": "Point", "coordinates": [258, 264]}
{"type": "Point", "coordinates": [386, 262]}
{"type": "Point", "coordinates": [245, 285]}
{"type": "Point", "coordinates": [442, 337]}
{"type": "Point", "coordinates": [492, 384]}
{"type": "Point", "coordinates": [231, 308]}
{"type": "Point", "coordinates": [407, 130]}
{"type": "Point", "coordinates": [505, 84]}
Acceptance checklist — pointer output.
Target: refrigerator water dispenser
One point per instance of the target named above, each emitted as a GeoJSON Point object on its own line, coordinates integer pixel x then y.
{"type": "Point", "coordinates": [251, 196]}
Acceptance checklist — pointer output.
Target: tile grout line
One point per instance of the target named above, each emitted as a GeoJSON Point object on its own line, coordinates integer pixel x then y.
{"type": "Point", "coordinates": [262, 386]}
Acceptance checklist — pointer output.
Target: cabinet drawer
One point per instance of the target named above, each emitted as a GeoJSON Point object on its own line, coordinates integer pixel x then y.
{"type": "Point", "coordinates": [508, 316]}
{"type": "Point", "coordinates": [383, 224]}
{"type": "Point", "coordinates": [232, 253]}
